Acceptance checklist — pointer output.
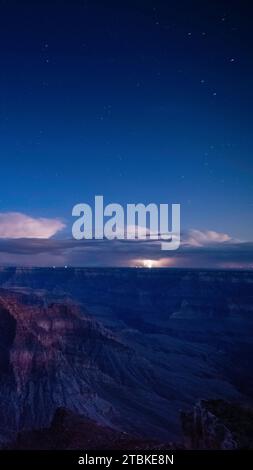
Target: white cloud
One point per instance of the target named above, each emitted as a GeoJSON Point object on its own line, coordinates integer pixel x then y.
{"type": "Point", "coordinates": [18, 225]}
{"type": "Point", "coordinates": [200, 238]}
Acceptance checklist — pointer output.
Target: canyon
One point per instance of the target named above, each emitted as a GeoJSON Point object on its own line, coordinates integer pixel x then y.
{"type": "Point", "coordinates": [133, 351]}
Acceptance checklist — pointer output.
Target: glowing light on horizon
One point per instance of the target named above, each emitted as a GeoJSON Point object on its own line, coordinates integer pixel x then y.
{"type": "Point", "coordinates": [153, 263]}
{"type": "Point", "coordinates": [149, 263]}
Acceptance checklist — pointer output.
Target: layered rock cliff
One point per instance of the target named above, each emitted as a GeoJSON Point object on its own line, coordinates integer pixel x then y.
{"type": "Point", "coordinates": [52, 356]}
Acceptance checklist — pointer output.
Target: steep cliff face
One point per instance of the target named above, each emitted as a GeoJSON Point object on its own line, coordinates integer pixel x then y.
{"type": "Point", "coordinates": [53, 356]}
{"type": "Point", "coordinates": [217, 424]}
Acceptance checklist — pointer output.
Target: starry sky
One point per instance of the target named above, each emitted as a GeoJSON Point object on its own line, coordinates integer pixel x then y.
{"type": "Point", "coordinates": [139, 101]}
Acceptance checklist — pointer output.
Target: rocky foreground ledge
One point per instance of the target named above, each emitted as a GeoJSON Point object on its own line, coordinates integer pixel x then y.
{"type": "Point", "coordinates": [214, 424]}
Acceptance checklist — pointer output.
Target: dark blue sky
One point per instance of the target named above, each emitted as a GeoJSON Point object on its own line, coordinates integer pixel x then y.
{"type": "Point", "coordinates": [141, 101]}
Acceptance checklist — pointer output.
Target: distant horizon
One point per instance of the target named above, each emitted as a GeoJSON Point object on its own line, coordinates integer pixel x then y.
{"type": "Point", "coordinates": [132, 268]}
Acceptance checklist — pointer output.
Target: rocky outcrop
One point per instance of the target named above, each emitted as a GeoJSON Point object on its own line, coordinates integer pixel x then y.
{"type": "Point", "coordinates": [211, 425]}
{"type": "Point", "coordinates": [53, 356]}
{"type": "Point", "coordinates": [217, 424]}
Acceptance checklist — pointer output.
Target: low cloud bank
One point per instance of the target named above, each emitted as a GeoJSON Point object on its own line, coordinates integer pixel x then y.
{"type": "Point", "coordinates": [199, 249]}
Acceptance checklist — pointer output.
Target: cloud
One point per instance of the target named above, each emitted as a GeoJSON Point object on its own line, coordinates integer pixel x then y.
{"type": "Point", "coordinates": [199, 249]}
{"type": "Point", "coordinates": [17, 225]}
{"type": "Point", "coordinates": [200, 238]}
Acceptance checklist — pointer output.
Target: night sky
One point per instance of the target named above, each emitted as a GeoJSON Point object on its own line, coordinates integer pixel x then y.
{"type": "Point", "coordinates": [139, 101]}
